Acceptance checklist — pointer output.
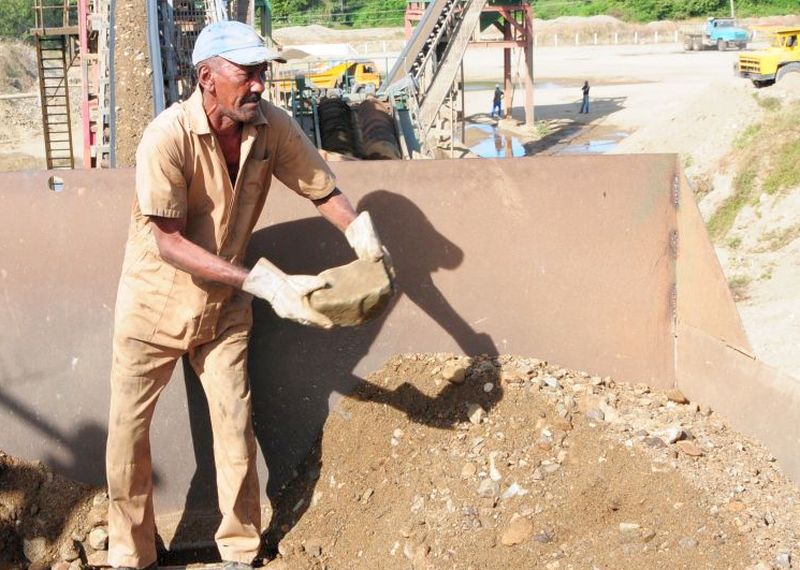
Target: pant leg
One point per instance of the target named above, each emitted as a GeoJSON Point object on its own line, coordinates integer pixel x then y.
{"type": "Point", "coordinates": [222, 367]}
{"type": "Point", "coordinates": [139, 373]}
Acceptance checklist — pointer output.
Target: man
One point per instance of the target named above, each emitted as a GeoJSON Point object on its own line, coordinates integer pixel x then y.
{"type": "Point", "coordinates": [585, 102]}
{"type": "Point", "coordinates": [496, 102]}
{"type": "Point", "coordinates": [203, 171]}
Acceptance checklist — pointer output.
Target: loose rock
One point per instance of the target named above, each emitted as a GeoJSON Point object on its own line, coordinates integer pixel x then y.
{"type": "Point", "coordinates": [519, 530]}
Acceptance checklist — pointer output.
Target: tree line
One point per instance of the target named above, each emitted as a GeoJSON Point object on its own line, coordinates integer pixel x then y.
{"type": "Point", "coordinates": [651, 10]}
{"type": "Point", "coordinates": [16, 16]}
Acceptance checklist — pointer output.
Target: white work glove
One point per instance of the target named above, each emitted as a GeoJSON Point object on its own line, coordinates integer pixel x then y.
{"type": "Point", "coordinates": [286, 293]}
{"type": "Point", "coordinates": [363, 239]}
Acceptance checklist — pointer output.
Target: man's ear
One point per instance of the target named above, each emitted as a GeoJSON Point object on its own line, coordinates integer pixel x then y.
{"type": "Point", "coordinates": [205, 77]}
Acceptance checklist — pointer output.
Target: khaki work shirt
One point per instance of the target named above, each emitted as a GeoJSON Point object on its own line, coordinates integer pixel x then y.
{"type": "Point", "coordinates": [181, 173]}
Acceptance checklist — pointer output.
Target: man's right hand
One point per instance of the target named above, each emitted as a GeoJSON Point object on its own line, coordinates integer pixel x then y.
{"type": "Point", "coordinates": [286, 293]}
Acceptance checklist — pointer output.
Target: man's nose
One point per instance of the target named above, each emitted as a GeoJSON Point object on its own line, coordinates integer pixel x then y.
{"type": "Point", "coordinates": [257, 85]}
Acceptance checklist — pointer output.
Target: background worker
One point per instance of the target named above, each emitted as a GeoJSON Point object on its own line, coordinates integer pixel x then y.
{"type": "Point", "coordinates": [497, 101]}
{"type": "Point", "coordinates": [203, 169]}
{"type": "Point", "coordinates": [585, 101]}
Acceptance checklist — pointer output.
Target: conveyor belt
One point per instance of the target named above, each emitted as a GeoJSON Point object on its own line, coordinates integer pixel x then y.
{"type": "Point", "coordinates": [419, 43]}
{"type": "Point", "coordinates": [427, 68]}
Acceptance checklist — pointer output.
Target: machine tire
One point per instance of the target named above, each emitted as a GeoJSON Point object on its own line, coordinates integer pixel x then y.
{"type": "Point", "coordinates": [721, 45]}
{"type": "Point", "coordinates": [788, 68]}
{"type": "Point", "coordinates": [688, 45]}
{"type": "Point", "coordinates": [741, 45]}
{"type": "Point", "coordinates": [759, 83]}
{"type": "Point", "coordinates": [698, 44]}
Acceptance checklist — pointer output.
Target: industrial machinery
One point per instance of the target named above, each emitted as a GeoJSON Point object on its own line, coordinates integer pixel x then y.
{"type": "Point", "coordinates": [768, 66]}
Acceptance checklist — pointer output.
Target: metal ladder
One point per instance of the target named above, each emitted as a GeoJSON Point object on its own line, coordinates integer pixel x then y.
{"type": "Point", "coordinates": [51, 56]}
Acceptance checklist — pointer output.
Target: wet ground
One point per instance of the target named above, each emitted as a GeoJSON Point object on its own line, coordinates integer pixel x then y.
{"type": "Point", "coordinates": [488, 140]}
{"type": "Point", "coordinates": [561, 129]}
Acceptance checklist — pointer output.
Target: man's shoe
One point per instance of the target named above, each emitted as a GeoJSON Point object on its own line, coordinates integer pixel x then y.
{"type": "Point", "coordinates": [236, 566]}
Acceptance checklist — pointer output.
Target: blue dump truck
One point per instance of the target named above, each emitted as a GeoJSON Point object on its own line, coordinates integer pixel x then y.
{"type": "Point", "coordinates": [720, 33]}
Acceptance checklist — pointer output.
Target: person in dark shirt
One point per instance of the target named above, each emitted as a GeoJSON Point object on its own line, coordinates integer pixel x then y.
{"type": "Point", "coordinates": [497, 101]}
{"type": "Point", "coordinates": [585, 104]}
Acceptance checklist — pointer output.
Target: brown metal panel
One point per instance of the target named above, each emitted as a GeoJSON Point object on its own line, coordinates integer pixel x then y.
{"type": "Point", "coordinates": [564, 258]}
{"type": "Point", "coordinates": [704, 298]}
{"type": "Point", "coordinates": [759, 400]}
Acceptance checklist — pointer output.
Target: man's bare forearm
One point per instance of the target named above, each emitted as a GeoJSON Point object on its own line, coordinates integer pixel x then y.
{"type": "Point", "coordinates": [187, 256]}
{"type": "Point", "coordinates": [337, 209]}
{"type": "Point", "coordinates": [195, 260]}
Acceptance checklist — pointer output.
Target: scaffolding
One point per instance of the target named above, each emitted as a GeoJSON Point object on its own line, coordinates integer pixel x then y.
{"type": "Point", "coordinates": [69, 33]}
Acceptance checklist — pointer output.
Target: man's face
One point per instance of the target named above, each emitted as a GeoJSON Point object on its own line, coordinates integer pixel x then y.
{"type": "Point", "coordinates": [238, 89]}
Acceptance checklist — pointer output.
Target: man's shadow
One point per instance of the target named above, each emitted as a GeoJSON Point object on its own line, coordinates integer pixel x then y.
{"type": "Point", "coordinates": [298, 373]}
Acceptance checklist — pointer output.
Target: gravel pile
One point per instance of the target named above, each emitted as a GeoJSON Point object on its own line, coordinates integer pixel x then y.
{"type": "Point", "coordinates": [445, 462]}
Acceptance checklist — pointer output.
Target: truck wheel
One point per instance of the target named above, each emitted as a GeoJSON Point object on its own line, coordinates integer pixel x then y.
{"type": "Point", "coordinates": [721, 45]}
{"type": "Point", "coordinates": [698, 45]}
{"type": "Point", "coordinates": [742, 45]}
{"type": "Point", "coordinates": [788, 68]}
{"type": "Point", "coordinates": [688, 45]}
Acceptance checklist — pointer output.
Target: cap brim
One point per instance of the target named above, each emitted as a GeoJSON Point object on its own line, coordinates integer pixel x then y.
{"type": "Point", "coordinates": [252, 55]}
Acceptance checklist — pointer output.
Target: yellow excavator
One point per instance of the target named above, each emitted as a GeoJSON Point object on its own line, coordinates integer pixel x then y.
{"type": "Point", "coordinates": [349, 76]}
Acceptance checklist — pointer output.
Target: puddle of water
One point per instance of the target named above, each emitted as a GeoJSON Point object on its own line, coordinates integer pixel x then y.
{"type": "Point", "coordinates": [492, 143]}
{"type": "Point", "coordinates": [594, 146]}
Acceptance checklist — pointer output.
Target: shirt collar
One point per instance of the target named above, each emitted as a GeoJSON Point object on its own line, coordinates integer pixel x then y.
{"type": "Point", "coordinates": [198, 120]}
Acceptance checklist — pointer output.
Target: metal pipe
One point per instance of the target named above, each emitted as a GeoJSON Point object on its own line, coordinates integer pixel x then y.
{"type": "Point", "coordinates": [159, 102]}
{"type": "Point", "coordinates": [112, 95]}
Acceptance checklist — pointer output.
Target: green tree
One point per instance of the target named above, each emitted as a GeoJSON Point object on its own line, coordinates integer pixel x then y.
{"type": "Point", "coordinates": [16, 18]}
{"type": "Point", "coordinates": [291, 11]}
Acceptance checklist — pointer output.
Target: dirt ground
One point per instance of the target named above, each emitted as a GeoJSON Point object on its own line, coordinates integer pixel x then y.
{"type": "Point", "coordinates": [556, 469]}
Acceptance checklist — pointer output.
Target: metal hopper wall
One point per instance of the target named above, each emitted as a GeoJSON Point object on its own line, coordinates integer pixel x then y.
{"type": "Point", "coordinates": [570, 259]}
{"type": "Point", "coordinates": [715, 364]}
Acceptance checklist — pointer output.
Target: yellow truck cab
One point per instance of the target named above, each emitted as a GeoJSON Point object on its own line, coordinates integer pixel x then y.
{"type": "Point", "coordinates": [768, 66]}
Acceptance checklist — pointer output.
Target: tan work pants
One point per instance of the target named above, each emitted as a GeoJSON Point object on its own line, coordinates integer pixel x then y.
{"type": "Point", "coordinates": [140, 371]}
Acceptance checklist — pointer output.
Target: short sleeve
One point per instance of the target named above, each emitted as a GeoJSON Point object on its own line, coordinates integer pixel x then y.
{"type": "Point", "coordinates": [297, 163]}
{"type": "Point", "coordinates": [161, 186]}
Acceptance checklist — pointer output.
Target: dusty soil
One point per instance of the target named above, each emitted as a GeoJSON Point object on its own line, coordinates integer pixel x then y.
{"type": "Point", "coordinates": [43, 516]}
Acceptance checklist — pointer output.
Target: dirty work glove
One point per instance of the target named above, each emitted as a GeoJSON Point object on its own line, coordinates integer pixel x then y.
{"type": "Point", "coordinates": [362, 238]}
{"type": "Point", "coordinates": [286, 293]}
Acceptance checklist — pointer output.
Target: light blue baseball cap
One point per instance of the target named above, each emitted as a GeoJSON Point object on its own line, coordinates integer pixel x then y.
{"type": "Point", "coordinates": [234, 41]}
